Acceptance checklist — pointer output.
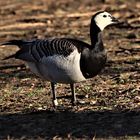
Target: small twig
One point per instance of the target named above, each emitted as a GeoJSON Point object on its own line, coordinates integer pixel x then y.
{"type": "Point", "coordinates": [12, 66]}
{"type": "Point", "coordinates": [127, 49]}
{"type": "Point", "coordinates": [53, 16]}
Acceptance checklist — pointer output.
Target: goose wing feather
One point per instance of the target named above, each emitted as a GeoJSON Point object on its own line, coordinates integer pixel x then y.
{"type": "Point", "coordinates": [35, 50]}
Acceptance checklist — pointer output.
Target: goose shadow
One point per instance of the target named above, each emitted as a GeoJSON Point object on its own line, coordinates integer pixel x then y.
{"type": "Point", "coordinates": [84, 124]}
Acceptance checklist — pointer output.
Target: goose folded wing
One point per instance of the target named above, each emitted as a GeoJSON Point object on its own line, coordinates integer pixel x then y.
{"type": "Point", "coordinates": [35, 50]}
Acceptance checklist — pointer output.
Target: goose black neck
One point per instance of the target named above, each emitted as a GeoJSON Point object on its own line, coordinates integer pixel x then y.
{"type": "Point", "coordinates": [95, 34]}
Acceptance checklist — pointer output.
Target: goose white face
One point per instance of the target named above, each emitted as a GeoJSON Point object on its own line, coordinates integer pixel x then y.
{"type": "Point", "coordinates": [104, 19]}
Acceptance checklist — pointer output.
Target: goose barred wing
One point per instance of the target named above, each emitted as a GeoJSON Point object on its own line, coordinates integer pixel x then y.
{"type": "Point", "coordinates": [37, 49]}
{"type": "Point", "coordinates": [41, 48]}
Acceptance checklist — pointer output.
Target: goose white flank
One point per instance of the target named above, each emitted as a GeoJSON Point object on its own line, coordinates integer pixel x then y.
{"type": "Point", "coordinates": [66, 60]}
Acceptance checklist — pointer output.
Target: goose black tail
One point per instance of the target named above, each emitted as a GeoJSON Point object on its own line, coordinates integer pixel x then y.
{"type": "Point", "coordinates": [8, 57]}
{"type": "Point", "coordinates": [18, 43]}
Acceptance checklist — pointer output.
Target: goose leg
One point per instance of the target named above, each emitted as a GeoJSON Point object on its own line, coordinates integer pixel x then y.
{"type": "Point", "coordinates": [73, 94]}
{"type": "Point", "coordinates": [55, 103]}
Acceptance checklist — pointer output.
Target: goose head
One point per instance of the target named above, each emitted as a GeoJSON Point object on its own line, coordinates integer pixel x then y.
{"type": "Point", "coordinates": [103, 19]}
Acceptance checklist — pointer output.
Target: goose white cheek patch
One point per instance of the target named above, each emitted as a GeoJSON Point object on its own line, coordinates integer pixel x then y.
{"type": "Point", "coordinates": [102, 20]}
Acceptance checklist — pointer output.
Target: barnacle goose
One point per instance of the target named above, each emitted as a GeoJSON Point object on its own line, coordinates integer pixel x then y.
{"type": "Point", "coordinates": [66, 60]}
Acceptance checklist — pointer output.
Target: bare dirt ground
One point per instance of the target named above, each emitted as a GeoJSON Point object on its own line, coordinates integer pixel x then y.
{"type": "Point", "coordinates": [110, 102]}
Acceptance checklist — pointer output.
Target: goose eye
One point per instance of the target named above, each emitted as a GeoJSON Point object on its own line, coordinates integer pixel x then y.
{"type": "Point", "coordinates": [104, 16]}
